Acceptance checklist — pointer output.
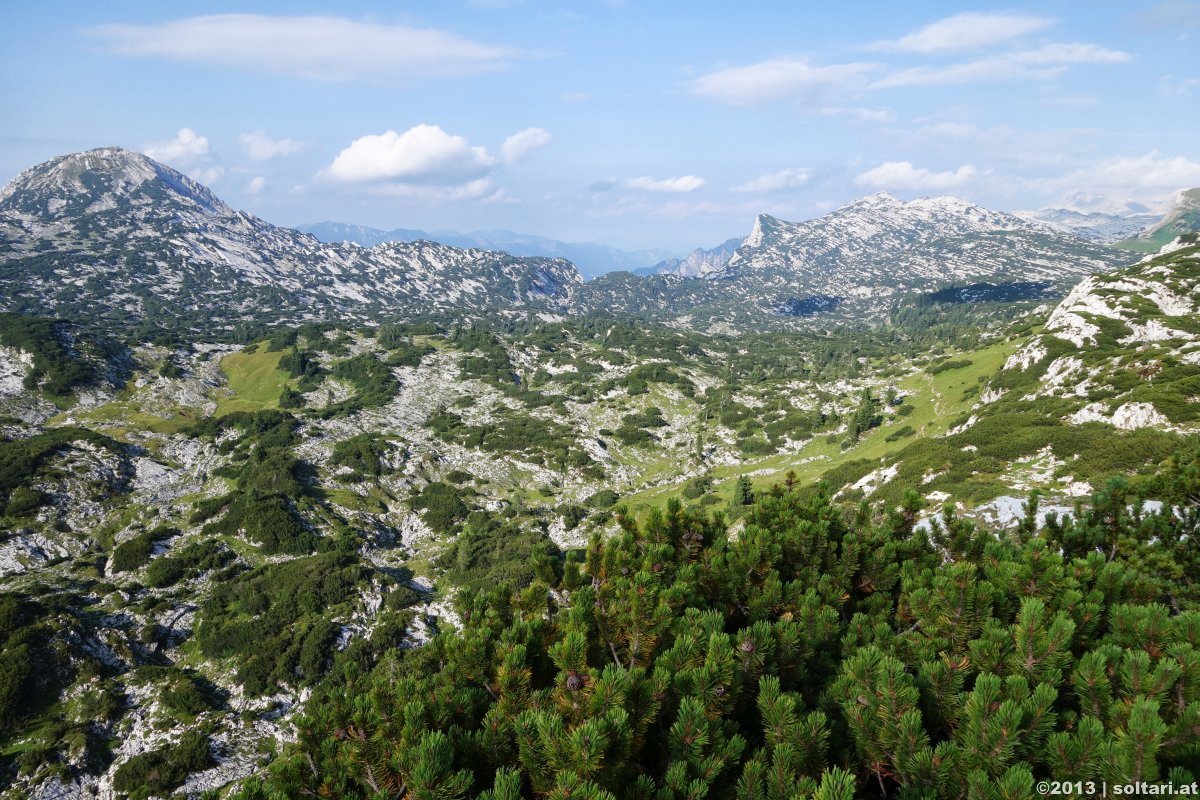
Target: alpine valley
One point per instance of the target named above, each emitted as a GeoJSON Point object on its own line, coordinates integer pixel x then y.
{"type": "Point", "coordinates": [902, 501]}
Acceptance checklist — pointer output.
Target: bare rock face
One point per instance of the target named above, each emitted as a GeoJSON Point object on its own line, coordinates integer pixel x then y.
{"type": "Point", "coordinates": [1127, 417]}
{"type": "Point", "coordinates": [24, 552]}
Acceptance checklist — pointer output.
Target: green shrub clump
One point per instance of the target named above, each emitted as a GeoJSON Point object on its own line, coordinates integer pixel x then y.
{"type": "Point", "coordinates": [136, 552]}
{"type": "Point", "coordinates": [158, 772]}
{"type": "Point", "coordinates": [274, 621]}
{"type": "Point", "coordinates": [826, 651]}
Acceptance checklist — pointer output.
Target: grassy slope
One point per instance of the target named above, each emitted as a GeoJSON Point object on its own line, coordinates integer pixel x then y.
{"type": "Point", "coordinates": [1186, 219]}
{"type": "Point", "coordinates": [254, 379]}
{"type": "Point", "coordinates": [254, 382]}
{"type": "Point", "coordinates": [938, 400]}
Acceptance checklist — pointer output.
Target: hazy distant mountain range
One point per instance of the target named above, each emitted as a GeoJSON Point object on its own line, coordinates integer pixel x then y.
{"type": "Point", "coordinates": [592, 258]}
{"type": "Point", "coordinates": [1094, 226]}
{"type": "Point", "coordinates": [699, 262]}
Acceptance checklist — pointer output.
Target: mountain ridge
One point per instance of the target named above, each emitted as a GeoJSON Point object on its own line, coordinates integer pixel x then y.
{"type": "Point", "coordinates": [147, 243]}
{"type": "Point", "coordinates": [859, 258]}
{"type": "Point", "coordinates": [592, 258]}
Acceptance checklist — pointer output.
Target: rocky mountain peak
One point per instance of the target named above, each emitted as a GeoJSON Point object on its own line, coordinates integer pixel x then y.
{"type": "Point", "coordinates": [146, 238]}
{"type": "Point", "coordinates": [764, 226]}
{"type": "Point", "coordinates": [867, 251]}
{"type": "Point", "coordinates": [100, 179]}
{"type": "Point", "coordinates": [877, 199]}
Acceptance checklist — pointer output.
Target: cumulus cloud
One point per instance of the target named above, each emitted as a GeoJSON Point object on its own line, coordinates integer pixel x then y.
{"type": "Point", "coordinates": [423, 155]}
{"type": "Point", "coordinates": [778, 181]}
{"type": "Point", "coordinates": [781, 79]}
{"type": "Point", "coordinates": [206, 175]}
{"type": "Point", "coordinates": [522, 143]}
{"type": "Point", "coordinates": [319, 48]}
{"type": "Point", "coordinates": [1042, 63]}
{"type": "Point", "coordinates": [683, 183]}
{"type": "Point", "coordinates": [190, 153]}
{"type": "Point", "coordinates": [903, 175]}
{"type": "Point", "coordinates": [256, 184]}
{"type": "Point", "coordinates": [967, 31]}
{"type": "Point", "coordinates": [187, 144]}
{"type": "Point", "coordinates": [261, 147]}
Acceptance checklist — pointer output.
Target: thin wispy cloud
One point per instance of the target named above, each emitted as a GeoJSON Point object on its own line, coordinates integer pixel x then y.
{"type": "Point", "coordinates": [782, 180]}
{"type": "Point", "coordinates": [422, 155]}
{"type": "Point", "coordinates": [478, 189]}
{"type": "Point", "coordinates": [683, 183]}
{"type": "Point", "coordinates": [1170, 86]}
{"type": "Point", "coordinates": [1042, 63]}
{"type": "Point", "coordinates": [949, 130]}
{"type": "Point", "coordinates": [1177, 15]}
{"type": "Point", "coordinates": [318, 48]}
{"type": "Point", "coordinates": [963, 32]}
{"type": "Point", "coordinates": [797, 80]}
{"type": "Point", "coordinates": [902, 175]}
{"type": "Point", "coordinates": [782, 79]}
{"type": "Point", "coordinates": [261, 147]}
{"type": "Point", "coordinates": [859, 114]}
{"type": "Point", "coordinates": [522, 143]}
{"type": "Point", "coordinates": [1145, 177]}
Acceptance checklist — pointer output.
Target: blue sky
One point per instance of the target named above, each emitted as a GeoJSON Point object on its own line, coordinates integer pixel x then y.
{"type": "Point", "coordinates": [640, 123]}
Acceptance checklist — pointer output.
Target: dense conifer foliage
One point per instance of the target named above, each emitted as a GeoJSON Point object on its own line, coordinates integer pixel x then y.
{"type": "Point", "coordinates": [812, 650]}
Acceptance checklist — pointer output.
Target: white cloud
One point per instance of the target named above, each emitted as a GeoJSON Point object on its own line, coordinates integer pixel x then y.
{"type": "Point", "coordinates": [1069, 100]}
{"type": "Point", "coordinates": [683, 183]}
{"type": "Point", "coordinates": [949, 130]}
{"type": "Point", "coordinates": [522, 143]}
{"type": "Point", "coordinates": [424, 154]}
{"type": "Point", "coordinates": [477, 189]}
{"type": "Point", "coordinates": [778, 181]}
{"type": "Point", "coordinates": [903, 175]}
{"type": "Point", "coordinates": [256, 184]}
{"type": "Point", "coordinates": [859, 114]}
{"type": "Point", "coordinates": [1041, 63]}
{"type": "Point", "coordinates": [500, 198]}
{"type": "Point", "coordinates": [967, 31]}
{"type": "Point", "coordinates": [261, 147]}
{"type": "Point", "coordinates": [189, 153]}
{"type": "Point", "coordinates": [187, 144]}
{"type": "Point", "coordinates": [206, 175]}
{"type": "Point", "coordinates": [781, 79]}
{"type": "Point", "coordinates": [319, 48]}
{"type": "Point", "coordinates": [1170, 86]}
{"type": "Point", "coordinates": [1147, 177]}
{"type": "Point", "coordinates": [1177, 15]}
